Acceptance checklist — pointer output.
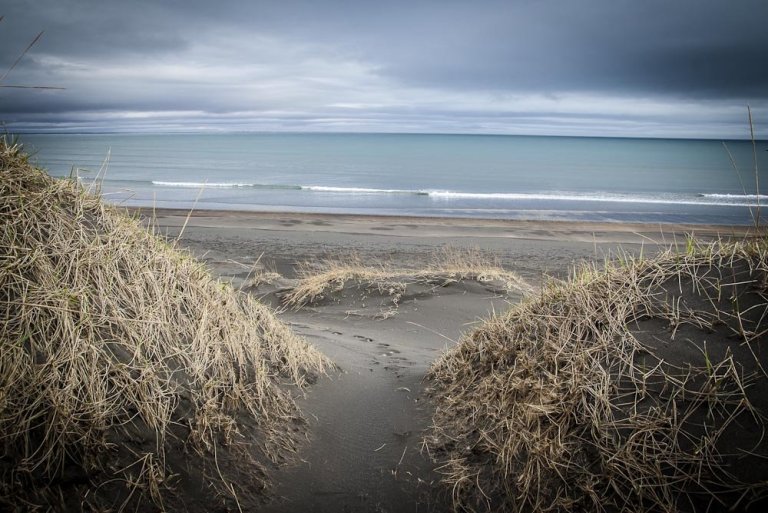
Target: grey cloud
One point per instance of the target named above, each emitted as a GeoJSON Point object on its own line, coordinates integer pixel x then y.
{"type": "Point", "coordinates": [554, 45]}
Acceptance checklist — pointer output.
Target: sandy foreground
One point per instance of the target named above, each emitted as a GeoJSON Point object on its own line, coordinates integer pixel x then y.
{"type": "Point", "coordinates": [366, 421]}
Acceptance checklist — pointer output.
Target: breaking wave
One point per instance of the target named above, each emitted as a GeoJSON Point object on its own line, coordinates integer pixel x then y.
{"type": "Point", "coordinates": [739, 200]}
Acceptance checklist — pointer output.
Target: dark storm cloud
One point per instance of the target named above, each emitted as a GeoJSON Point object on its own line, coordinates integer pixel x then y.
{"type": "Point", "coordinates": [680, 48]}
{"type": "Point", "coordinates": [372, 63]}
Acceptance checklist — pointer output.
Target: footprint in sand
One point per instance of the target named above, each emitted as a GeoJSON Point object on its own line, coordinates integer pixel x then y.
{"type": "Point", "coordinates": [366, 339]}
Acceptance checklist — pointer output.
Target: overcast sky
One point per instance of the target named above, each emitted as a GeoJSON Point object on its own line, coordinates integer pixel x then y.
{"type": "Point", "coordinates": [682, 68]}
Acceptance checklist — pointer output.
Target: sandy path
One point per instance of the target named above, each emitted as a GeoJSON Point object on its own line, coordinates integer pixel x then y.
{"type": "Point", "coordinates": [366, 422]}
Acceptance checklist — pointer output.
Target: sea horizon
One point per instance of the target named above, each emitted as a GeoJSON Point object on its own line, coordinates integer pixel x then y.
{"type": "Point", "coordinates": [163, 132]}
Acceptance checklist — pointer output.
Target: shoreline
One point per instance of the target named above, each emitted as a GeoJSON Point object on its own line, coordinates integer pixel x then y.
{"type": "Point", "coordinates": [428, 226]}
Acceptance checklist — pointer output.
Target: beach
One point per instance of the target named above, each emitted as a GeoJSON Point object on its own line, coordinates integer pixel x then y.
{"type": "Point", "coordinates": [367, 420]}
{"type": "Point", "coordinates": [384, 257]}
{"type": "Point", "coordinates": [536, 247]}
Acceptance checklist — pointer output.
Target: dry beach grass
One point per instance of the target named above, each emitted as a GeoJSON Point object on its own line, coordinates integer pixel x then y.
{"type": "Point", "coordinates": [638, 387]}
{"type": "Point", "coordinates": [318, 280]}
{"type": "Point", "coordinates": [126, 371]}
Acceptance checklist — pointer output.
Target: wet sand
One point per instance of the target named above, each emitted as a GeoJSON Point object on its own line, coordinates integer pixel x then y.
{"type": "Point", "coordinates": [366, 420]}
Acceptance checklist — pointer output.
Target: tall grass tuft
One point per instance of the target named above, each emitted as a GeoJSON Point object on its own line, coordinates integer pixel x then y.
{"type": "Point", "coordinates": [115, 346]}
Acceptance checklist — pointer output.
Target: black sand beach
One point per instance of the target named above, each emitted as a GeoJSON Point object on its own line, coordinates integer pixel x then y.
{"type": "Point", "coordinates": [368, 420]}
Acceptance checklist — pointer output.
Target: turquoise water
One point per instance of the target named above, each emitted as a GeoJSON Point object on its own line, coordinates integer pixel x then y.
{"type": "Point", "coordinates": [514, 177]}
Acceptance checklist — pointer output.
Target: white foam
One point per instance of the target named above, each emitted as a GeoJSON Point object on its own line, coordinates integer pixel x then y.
{"type": "Point", "coordinates": [713, 199]}
{"type": "Point", "coordinates": [742, 197]}
{"type": "Point", "coordinates": [198, 185]}
{"type": "Point", "coordinates": [704, 199]}
{"type": "Point", "coordinates": [358, 190]}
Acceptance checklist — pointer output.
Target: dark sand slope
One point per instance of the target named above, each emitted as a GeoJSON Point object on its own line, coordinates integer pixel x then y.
{"type": "Point", "coordinates": [367, 422]}
{"type": "Point", "coordinates": [130, 379]}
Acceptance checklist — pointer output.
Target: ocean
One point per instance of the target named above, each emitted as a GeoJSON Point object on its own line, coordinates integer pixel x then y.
{"type": "Point", "coordinates": [485, 176]}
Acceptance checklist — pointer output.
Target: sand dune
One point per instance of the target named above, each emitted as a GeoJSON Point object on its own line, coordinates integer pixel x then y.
{"type": "Point", "coordinates": [369, 421]}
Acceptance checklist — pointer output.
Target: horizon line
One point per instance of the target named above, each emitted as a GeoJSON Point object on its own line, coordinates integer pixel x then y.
{"type": "Point", "coordinates": [333, 132]}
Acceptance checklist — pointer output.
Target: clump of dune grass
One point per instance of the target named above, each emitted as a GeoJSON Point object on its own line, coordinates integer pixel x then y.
{"type": "Point", "coordinates": [318, 280]}
{"type": "Point", "coordinates": [640, 386]}
{"type": "Point", "coordinates": [261, 274]}
{"type": "Point", "coordinates": [262, 277]}
{"type": "Point", "coordinates": [115, 346]}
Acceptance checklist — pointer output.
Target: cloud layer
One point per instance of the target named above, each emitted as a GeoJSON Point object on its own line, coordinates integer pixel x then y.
{"type": "Point", "coordinates": [650, 68]}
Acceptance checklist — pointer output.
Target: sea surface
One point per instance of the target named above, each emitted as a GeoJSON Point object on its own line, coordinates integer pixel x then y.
{"type": "Point", "coordinates": [486, 176]}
